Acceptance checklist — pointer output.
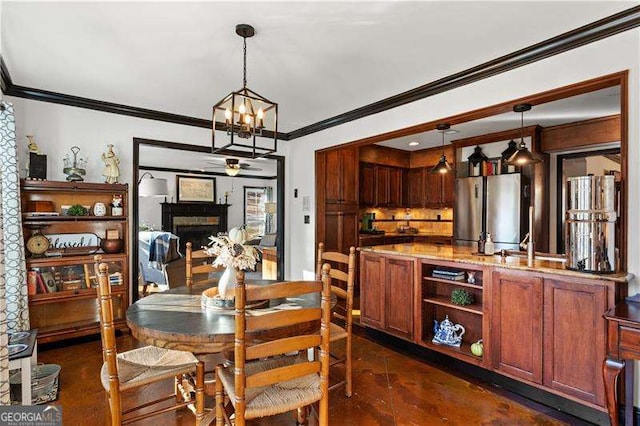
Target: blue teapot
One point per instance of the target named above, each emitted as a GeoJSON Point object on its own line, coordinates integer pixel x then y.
{"type": "Point", "coordinates": [449, 334]}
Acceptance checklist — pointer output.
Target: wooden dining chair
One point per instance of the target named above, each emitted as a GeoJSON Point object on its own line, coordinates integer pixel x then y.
{"type": "Point", "coordinates": [277, 382]}
{"type": "Point", "coordinates": [342, 311]}
{"type": "Point", "coordinates": [197, 267]}
{"type": "Point", "coordinates": [131, 370]}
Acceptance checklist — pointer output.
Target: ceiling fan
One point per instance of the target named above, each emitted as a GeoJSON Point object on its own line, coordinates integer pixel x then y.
{"type": "Point", "coordinates": [233, 166]}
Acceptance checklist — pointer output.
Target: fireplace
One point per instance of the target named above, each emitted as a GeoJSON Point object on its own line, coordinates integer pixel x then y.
{"type": "Point", "coordinates": [194, 222]}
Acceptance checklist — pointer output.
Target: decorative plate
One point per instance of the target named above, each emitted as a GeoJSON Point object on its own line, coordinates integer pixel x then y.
{"type": "Point", "coordinates": [17, 348]}
{"type": "Point", "coordinates": [18, 335]}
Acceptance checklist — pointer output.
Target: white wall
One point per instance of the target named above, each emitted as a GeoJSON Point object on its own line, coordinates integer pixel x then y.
{"type": "Point", "coordinates": [150, 210]}
{"type": "Point", "coordinates": [607, 56]}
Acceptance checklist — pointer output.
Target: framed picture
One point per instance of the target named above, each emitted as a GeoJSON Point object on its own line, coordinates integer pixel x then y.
{"type": "Point", "coordinates": [195, 189]}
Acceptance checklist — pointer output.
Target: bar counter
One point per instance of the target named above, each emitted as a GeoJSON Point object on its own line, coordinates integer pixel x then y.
{"type": "Point", "coordinates": [464, 254]}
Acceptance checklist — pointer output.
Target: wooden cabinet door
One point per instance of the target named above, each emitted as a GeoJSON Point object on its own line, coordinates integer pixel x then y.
{"type": "Point", "coordinates": [349, 165]}
{"type": "Point", "coordinates": [395, 187]}
{"type": "Point", "coordinates": [372, 285]}
{"type": "Point", "coordinates": [432, 189]}
{"type": "Point", "coordinates": [332, 179]}
{"type": "Point", "coordinates": [575, 339]}
{"type": "Point", "coordinates": [415, 188]}
{"type": "Point", "coordinates": [516, 325]}
{"type": "Point", "coordinates": [341, 230]}
{"type": "Point", "coordinates": [399, 297]}
{"type": "Point", "coordinates": [367, 185]}
{"type": "Point", "coordinates": [448, 189]}
{"type": "Point", "coordinates": [382, 186]}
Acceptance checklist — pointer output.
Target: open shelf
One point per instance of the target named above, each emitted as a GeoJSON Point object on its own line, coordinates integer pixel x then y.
{"type": "Point", "coordinates": [44, 219]}
{"type": "Point", "coordinates": [443, 301]}
{"type": "Point", "coordinates": [453, 282]}
{"type": "Point", "coordinates": [463, 352]}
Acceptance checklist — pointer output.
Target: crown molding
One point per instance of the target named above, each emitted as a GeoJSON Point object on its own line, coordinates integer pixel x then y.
{"type": "Point", "coordinates": [598, 30]}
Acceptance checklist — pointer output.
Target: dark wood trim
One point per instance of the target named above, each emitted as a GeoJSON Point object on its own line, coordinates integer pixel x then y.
{"type": "Point", "coordinates": [581, 134]}
{"type": "Point", "coordinates": [113, 108]}
{"type": "Point", "coordinates": [5, 77]}
{"type": "Point", "coordinates": [570, 90]}
{"type": "Point", "coordinates": [280, 184]}
{"type": "Point", "coordinates": [624, 167]}
{"type": "Point", "coordinates": [199, 172]}
{"type": "Point", "coordinates": [586, 34]}
{"type": "Point", "coordinates": [603, 28]}
{"type": "Point", "coordinates": [495, 137]}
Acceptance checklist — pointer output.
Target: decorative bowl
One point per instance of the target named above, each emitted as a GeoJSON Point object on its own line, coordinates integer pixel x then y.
{"type": "Point", "coordinates": [112, 246]}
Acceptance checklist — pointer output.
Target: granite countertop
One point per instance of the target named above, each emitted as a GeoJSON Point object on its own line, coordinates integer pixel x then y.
{"type": "Point", "coordinates": [463, 254]}
{"type": "Point", "coordinates": [405, 234]}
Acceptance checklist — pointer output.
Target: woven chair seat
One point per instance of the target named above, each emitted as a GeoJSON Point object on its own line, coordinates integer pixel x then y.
{"type": "Point", "coordinates": [149, 364]}
{"type": "Point", "coordinates": [336, 332]}
{"type": "Point", "coordinates": [278, 398]}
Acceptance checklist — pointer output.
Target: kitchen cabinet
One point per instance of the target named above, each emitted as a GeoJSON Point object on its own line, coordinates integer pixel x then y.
{"type": "Point", "coordinates": [387, 299]}
{"type": "Point", "coordinates": [516, 324]}
{"type": "Point", "coordinates": [337, 176]}
{"type": "Point", "coordinates": [438, 189]}
{"type": "Point", "coordinates": [381, 186]}
{"type": "Point", "coordinates": [415, 188]}
{"type": "Point", "coordinates": [342, 230]}
{"type": "Point", "coordinates": [575, 338]}
{"type": "Point", "coordinates": [367, 185]}
{"type": "Point", "coordinates": [554, 342]}
{"type": "Point", "coordinates": [341, 176]}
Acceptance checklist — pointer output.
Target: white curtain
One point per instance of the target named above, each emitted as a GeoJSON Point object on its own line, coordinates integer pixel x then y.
{"type": "Point", "coordinates": [14, 302]}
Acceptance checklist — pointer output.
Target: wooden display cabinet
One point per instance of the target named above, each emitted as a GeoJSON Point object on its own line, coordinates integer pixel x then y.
{"type": "Point", "coordinates": [61, 282]}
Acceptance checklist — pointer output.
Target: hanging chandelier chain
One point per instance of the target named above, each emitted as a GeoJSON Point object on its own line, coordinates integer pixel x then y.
{"type": "Point", "coordinates": [244, 67]}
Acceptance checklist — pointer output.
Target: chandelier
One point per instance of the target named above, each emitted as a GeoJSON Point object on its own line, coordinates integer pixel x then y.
{"type": "Point", "coordinates": [245, 115]}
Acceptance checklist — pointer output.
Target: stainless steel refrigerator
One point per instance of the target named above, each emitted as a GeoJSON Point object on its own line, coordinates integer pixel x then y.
{"type": "Point", "coordinates": [496, 204]}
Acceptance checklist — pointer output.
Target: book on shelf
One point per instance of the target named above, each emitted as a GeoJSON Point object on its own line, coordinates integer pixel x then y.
{"type": "Point", "coordinates": [42, 288]}
{"type": "Point", "coordinates": [32, 283]}
{"type": "Point", "coordinates": [49, 282]}
{"type": "Point", "coordinates": [449, 275]}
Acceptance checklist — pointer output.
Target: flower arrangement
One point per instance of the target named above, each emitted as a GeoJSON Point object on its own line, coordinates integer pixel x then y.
{"type": "Point", "coordinates": [230, 250]}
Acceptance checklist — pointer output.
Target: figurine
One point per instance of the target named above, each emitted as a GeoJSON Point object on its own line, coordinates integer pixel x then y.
{"type": "Point", "coordinates": [449, 334]}
{"type": "Point", "coordinates": [32, 146]}
{"type": "Point", "coordinates": [111, 168]}
{"type": "Point", "coordinates": [116, 205]}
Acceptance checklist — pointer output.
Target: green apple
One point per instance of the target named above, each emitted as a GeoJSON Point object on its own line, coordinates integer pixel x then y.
{"type": "Point", "coordinates": [477, 348]}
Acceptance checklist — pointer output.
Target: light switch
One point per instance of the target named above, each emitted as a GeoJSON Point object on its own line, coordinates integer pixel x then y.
{"type": "Point", "coordinates": [307, 218]}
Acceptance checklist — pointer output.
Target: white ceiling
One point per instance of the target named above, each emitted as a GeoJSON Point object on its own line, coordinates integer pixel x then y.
{"type": "Point", "coordinates": [596, 104]}
{"type": "Point", "coordinates": [316, 59]}
{"type": "Point", "coordinates": [170, 158]}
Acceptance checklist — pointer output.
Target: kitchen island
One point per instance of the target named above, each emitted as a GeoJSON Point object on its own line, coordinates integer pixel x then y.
{"type": "Point", "coordinates": [540, 323]}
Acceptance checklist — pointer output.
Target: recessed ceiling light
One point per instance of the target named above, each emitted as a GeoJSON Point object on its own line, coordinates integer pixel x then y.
{"type": "Point", "coordinates": [414, 143]}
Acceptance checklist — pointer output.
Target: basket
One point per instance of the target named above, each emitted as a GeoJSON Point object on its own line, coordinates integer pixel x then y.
{"type": "Point", "coordinates": [44, 384]}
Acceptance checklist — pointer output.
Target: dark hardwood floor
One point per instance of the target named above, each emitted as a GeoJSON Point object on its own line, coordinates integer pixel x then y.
{"type": "Point", "coordinates": [390, 388]}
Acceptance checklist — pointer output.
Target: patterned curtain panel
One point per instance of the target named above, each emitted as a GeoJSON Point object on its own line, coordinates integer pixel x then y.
{"type": "Point", "coordinates": [14, 309]}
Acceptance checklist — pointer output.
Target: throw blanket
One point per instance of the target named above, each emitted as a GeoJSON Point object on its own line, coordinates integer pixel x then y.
{"type": "Point", "coordinates": [159, 247]}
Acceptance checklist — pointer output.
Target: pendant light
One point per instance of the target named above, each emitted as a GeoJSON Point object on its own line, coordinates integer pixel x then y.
{"type": "Point", "coordinates": [523, 156]}
{"type": "Point", "coordinates": [443, 166]}
{"type": "Point", "coordinates": [245, 115]}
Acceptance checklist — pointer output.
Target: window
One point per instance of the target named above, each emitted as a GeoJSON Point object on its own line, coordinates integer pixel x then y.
{"type": "Point", "coordinates": [255, 198]}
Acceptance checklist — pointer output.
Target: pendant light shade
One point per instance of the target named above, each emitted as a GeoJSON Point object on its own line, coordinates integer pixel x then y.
{"type": "Point", "coordinates": [443, 165]}
{"type": "Point", "coordinates": [523, 156]}
{"type": "Point", "coordinates": [477, 157]}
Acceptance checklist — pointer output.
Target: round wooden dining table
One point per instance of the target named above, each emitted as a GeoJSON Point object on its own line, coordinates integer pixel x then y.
{"type": "Point", "coordinates": [175, 319]}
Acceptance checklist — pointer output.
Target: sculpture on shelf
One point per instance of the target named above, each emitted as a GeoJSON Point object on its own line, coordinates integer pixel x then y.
{"type": "Point", "coordinates": [75, 169]}
{"type": "Point", "coordinates": [111, 166]}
